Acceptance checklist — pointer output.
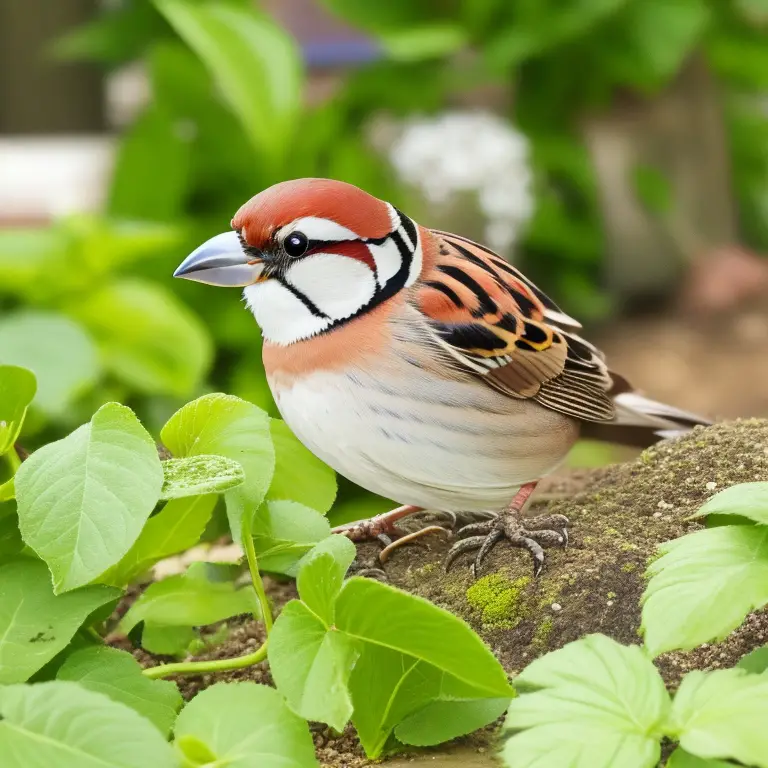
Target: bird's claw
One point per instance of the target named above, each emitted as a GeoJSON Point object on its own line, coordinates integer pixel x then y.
{"type": "Point", "coordinates": [533, 534]}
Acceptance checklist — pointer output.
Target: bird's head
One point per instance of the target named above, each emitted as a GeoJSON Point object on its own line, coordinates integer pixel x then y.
{"type": "Point", "coordinates": [310, 254]}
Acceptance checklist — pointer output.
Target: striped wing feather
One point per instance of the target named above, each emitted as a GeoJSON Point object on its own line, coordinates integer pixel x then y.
{"type": "Point", "coordinates": [494, 321]}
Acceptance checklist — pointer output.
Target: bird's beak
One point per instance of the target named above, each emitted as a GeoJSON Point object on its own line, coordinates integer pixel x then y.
{"type": "Point", "coordinates": [221, 261]}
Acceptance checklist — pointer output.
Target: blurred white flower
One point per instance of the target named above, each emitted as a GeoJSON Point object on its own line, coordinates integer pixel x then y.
{"type": "Point", "coordinates": [477, 152]}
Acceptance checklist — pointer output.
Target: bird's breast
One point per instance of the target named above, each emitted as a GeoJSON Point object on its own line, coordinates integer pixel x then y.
{"type": "Point", "coordinates": [413, 435]}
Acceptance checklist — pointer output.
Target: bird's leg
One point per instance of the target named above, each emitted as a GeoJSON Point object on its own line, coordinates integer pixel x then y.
{"type": "Point", "coordinates": [383, 528]}
{"type": "Point", "coordinates": [532, 534]}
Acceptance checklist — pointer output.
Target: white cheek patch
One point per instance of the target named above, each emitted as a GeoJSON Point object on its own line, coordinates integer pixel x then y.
{"type": "Point", "coordinates": [338, 285]}
{"type": "Point", "coordinates": [283, 317]}
{"type": "Point", "coordinates": [417, 261]}
{"type": "Point", "coordinates": [318, 229]}
{"type": "Point", "coordinates": [387, 259]}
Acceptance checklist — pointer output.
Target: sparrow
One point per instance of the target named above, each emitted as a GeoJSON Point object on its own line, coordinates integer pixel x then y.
{"type": "Point", "coordinates": [420, 365]}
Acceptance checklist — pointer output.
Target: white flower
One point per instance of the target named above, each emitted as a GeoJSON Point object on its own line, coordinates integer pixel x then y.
{"type": "Point", "coordinates": [477, 152]}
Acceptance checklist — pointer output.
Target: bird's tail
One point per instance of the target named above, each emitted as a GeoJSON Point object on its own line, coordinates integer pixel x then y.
{"type": "Point", "coordinates": [642, 422]}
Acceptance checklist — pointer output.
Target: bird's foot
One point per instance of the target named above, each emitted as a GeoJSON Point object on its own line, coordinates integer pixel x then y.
{"type": "Point", "coordinates": [383, 528]}
{"type": "Point", "coordinates": [532, 533]}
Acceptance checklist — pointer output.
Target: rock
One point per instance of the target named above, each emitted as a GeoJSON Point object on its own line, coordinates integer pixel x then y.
{"type": "Point", "coordinates": [615, 529]}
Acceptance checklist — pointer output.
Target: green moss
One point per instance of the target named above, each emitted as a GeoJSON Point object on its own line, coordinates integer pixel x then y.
{"type": "Point", "coordinates": [628, 546]}
{"type": "Point", "coordinates": [628, 567]}
{"type": "Point", "coordinates": [611, 595]}
{"type": "Point", "coordinates": [498, 599]}
{"type": "Point", "coordinates": [542, 633]}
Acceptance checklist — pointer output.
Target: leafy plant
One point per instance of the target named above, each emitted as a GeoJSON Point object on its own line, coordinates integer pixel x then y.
{"type": "Point", "coordinates": [602, 704]}
{"type": "Point", "coordinates": [94, 512]}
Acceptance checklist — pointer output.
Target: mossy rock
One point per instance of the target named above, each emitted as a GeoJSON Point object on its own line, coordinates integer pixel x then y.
{"type": "Point", "coordinates": [619, 515]}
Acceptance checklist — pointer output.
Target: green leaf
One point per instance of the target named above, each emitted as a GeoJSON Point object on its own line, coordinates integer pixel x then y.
{"type": "Point", "coordinates": [721, 714]}
{"type": "Point", "coordinates": [595, 704]}
{"type": "Point", "coordinates": [26, 256]}
{"type": "Point", "coordinates": [176, 528]}
{"type": "Point", "coordinates": [756, 661]}
{"type": "Point", "coordinates": [227, 426]}
{"type": "Point", "coordinates": [283, 532]}
{"type": "Point", "coordinates": [704, 585]}
{"type": "Point", "coordinates": [299, 474]}
{"type": "Point", "coordinates": [321, 574]}
{"type": "Point", "coordinates": [246, 725]}
{"type": "Point", "coordinates": [655, 38]}
{"type": "Point", "coordinates": [56, 349]}
{"type": "Point", "coordinates": [167, 641]}
{"type": "Point", "coordinates": [10, 538]}
{"type": "Point", "coordinates": [255, 64]}
{"type": "Point", "coordinates": [64, 725]}
{"type": "Point", "coordinates": [150, 178]}
{"type": "Point", "coordinates": [196, 475]}
{"type": "Point", "coordinates": [148, 338]}
{"type": "Point", "coordinates": [748, 500]}
{"type": "Point", "coordinates": [118, 675]}
{"type": "Point", "coordinates": [380, 18]}
{"type": "Point", "coordinates": [311, 665]}
{"type": "Point", "coordinates": [83, 500]}
{"type": "Point", "coordinates": [35, 624]}
{"type": "Point", "coordinates": [424, 42]}
{"type": "Point", "coordinates": [189, 601]}
{"type": "Point", "coordinates": [410, 624]}
{"type": "Point", "coordinates": [17, 388]}
{"type": "Point", "coordinates": [389, 687]}
{"type": "Point", "coordinates": [682, 759]}
{"type": "Point", "coordinates": [441, 721]}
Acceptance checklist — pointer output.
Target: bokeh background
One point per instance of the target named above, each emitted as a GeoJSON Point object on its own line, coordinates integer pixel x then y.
{"type": "Point", "coordinates": [617, 150]}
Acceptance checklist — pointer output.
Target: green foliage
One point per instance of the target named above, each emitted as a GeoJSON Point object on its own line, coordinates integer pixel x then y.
{"type": "Point", "coordinates": [226, 426]}
{"type": "Point", "coordinates": [380, 663]}
{"type": "Point", "coordinates": [596, 703]}
{"type": "Point", "coordinates": [64, 724]}
{"type": "Point", "coordinates": [35, 624]}
{"type": "Point", "coordinates": [17, 388]}
{"type": "Point", "coordinates": [189, 600]}
{"type": "Point", "coordinates": [56, 350]}
{"type": "Point", "coordinates": [83, 500]}
{"type": "Point", "coordinates": [196, 475]}
{"type": "Point", "coordinates": [706, 582]}
{"type": "Point", "coordinates": [593, 703]}
{"type": "Point", "coordinates": [284, 531]}
{"type": "Point", "coordinates": [118, 675]}
{"type": "Point", "coordinates": [243, 725]}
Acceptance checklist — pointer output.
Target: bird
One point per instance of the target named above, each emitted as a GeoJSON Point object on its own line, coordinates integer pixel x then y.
{"type": "Point", "coordinates": [419, 364]}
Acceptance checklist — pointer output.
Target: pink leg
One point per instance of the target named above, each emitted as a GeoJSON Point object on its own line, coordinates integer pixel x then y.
{"type": "Point", "coordinates": [383, 527]}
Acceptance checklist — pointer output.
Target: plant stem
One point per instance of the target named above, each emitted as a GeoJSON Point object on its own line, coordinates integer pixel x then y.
{"type": "Point", "coordinates": [253, 567]}
{"type": "Point", "coordinates": [204, 667]}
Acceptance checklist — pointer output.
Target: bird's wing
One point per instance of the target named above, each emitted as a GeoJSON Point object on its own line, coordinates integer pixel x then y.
{"type": "Point", "coordinates": [495, 322]}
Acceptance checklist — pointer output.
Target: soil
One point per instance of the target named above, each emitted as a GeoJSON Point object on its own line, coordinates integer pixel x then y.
{"type": "Point", "coordinates": [619, 514]}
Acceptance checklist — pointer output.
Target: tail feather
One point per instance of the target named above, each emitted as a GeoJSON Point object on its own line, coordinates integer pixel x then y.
{"type": "Point", "coordinates": [641, 422]}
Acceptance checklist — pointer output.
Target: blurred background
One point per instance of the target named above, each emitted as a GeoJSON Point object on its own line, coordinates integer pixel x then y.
{"type": "Point", "coordinates": [616, 150]}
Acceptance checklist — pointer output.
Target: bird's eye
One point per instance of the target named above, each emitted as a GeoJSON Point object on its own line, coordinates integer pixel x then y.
{"type": "Point", "coordinates": [296, 244]}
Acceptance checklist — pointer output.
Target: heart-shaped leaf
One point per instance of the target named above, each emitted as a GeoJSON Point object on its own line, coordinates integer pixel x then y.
{"type": "Point", "coordinates": [704, 585]}
{"type": "Point", "coordinates": [83, 500]}
{"type": "Point", "coordinates": [244, 725]}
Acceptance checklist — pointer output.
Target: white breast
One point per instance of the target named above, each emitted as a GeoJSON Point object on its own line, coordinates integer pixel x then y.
{"type": "Point", "coordinates": [425, 440]}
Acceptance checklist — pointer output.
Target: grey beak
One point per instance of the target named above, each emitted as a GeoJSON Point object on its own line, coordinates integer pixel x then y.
{"type": "Point", "coordinates": [221, 261]}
